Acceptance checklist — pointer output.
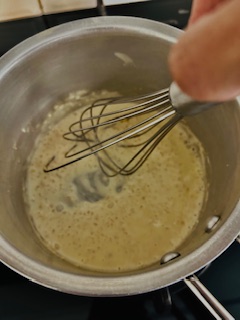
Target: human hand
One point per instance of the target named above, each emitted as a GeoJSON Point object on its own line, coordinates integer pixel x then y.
{"type": "Point", "coordinates": [202, 7]}
{"type": "Point", "coordinates": [205, 62]}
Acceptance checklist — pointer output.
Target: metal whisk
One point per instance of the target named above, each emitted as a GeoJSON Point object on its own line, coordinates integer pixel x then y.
{"type": "Point", "coordinates": [133, 125]}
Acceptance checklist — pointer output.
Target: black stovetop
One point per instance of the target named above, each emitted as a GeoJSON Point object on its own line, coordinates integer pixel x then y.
{"type": "Point", "coordinates": [21, 299]}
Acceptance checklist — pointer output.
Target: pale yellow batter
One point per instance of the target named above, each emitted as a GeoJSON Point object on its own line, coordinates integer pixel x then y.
{"type": "Point", "coordinates": [121, 223]}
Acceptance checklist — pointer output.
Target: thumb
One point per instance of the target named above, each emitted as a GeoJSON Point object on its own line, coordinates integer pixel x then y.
{"type": "Point", "coordinates": [205, 62]}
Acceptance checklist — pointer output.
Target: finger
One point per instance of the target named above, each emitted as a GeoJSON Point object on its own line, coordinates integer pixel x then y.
{"type": "Point", "coordinates": [201, 7]}
{"type": "Point", "coordinates": [206, 61]}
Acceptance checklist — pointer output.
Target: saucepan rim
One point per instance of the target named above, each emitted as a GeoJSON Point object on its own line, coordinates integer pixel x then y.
{"type": "Point", "coordinates": [118, 285]}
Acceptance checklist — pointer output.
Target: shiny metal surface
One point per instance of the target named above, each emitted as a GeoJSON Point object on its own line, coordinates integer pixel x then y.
{"type": "Point", "coordinates": [102, 114]}
{"type": "Point", "coordinates": [209, 301]}
{"type": "Point", "coordinates": [184, 104]}
{"type": "Point", "coordinates": [80, 55]}
{"type": "Point", "coordinates": [162, 110]}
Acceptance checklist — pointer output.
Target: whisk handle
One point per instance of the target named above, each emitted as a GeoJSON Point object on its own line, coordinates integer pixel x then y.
{"type": "Point", "coordinates": [184, 104]}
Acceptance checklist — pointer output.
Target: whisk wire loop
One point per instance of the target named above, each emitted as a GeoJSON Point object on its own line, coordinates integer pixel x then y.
{"type": "Point", "coordinates": [130, 114]}
{"type": "Point", "coordinates": [130, 167]}
{"type": "Point", "coordinates": [135, 131]}
{"type": "Point", "coordinates": [123, 135]}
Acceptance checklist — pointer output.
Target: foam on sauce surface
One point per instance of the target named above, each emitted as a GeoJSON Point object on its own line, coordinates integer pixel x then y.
{"type": "Point", "coordinates": [114, 224]}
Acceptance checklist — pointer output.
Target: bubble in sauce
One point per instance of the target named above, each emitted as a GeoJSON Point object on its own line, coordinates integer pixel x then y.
{"type": "Point", "coordinates": [114, 224]}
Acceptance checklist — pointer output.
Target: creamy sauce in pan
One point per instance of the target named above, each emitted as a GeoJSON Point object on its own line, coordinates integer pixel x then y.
{"type": "Point", "coordinates": [114, 224]}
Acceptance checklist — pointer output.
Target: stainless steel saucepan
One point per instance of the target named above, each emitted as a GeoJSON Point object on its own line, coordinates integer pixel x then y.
{"type": "Point", "coordinates": [85, 55]}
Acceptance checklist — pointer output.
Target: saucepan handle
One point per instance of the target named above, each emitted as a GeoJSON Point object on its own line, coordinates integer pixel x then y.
{"type": "Point", "coordinates": [209, 301]}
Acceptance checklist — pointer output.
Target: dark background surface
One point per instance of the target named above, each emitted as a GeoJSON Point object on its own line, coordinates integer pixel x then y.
{"type": "Point", "coordinates": [174, 12]}
{"type": "Point", "coordinates": [21, 299]}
